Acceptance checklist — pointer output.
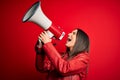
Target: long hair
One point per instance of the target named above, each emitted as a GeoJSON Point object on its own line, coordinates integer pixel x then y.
{"type": "Point", "coordinates": [81, 45]}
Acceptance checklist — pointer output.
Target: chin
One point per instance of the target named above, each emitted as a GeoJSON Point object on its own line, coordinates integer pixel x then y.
{"type": "Point", "coordinates": [67, 45]}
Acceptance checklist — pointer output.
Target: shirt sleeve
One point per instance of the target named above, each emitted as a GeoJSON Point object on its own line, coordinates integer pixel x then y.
{"type": "Point", "coordinates": [64, 67]}
{"type": "Point", "coordinates": [43, 64]}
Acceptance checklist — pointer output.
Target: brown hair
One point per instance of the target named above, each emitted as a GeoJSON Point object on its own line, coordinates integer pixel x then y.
{"type": "Point", "coordinates": [81, 45]}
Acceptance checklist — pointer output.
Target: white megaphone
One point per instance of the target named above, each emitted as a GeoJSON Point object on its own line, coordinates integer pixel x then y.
{"type": "Point", "coordinates": [36, 15]}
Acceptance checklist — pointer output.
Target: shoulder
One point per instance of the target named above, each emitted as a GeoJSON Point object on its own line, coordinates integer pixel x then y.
{"type": "Point", "coordinates": [84, 56]}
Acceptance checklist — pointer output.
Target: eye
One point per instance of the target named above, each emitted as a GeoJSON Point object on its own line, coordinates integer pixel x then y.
{"type": "Point", "coordinates": [74, 33]}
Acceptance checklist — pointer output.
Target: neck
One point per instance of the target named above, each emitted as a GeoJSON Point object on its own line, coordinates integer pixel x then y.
{"type": "Point", "coordinates": [71, 48]}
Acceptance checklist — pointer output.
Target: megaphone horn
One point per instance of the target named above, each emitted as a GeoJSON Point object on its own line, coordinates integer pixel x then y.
{"type": "Point", "coordinates": [36, 15]}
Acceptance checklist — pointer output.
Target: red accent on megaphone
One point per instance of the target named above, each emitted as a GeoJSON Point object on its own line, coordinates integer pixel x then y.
{"type": "Point", "coordinates": [55, 30]}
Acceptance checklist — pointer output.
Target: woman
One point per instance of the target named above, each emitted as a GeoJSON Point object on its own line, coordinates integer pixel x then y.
{"type": "Point", "coordinates": [72, 65]}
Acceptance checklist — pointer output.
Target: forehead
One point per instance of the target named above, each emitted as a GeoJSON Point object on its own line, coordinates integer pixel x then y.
{"type": "Point", "coordinates": [75, 31]}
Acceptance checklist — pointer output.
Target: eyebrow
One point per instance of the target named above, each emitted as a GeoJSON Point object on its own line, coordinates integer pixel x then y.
{"type": "Point", "coordinates": [74, 31]}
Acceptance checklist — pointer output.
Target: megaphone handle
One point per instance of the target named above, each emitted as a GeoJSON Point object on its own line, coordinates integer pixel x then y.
{"type": "Point", "coordinates": [40, 43]}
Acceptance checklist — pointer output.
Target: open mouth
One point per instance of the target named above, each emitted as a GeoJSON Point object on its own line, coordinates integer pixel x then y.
{"type": "Point", "coordinates": [68, 42]}
{"type": "Point", "coordinates": [68, 39]}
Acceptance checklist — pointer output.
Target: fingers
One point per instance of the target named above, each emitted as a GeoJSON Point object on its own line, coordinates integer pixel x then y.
{"type": "Point", "coordinates": [43, 34]}
{"type": "Point", "coordinates": [44, 37]}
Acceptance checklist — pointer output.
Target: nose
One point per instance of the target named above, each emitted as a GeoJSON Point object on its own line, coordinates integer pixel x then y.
{"type": "Point", "coordinates": [69, 34]}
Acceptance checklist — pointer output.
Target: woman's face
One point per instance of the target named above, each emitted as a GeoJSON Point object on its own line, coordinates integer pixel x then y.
{"type": "Point", "coordinates": [71, 39]}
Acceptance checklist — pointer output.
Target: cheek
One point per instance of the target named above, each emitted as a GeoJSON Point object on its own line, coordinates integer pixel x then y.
{"type": "Point", "coordinates": [73, 43]}
{"type": "Point", "coordinates": [74, 40]}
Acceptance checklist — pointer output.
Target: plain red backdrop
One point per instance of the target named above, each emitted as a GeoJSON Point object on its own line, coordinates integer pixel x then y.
{"type": "Point", "coordinates": [99, 18]}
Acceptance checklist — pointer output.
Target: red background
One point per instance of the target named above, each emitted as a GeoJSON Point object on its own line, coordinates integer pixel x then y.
{"type": "Point", "coordinates": [99, 18]}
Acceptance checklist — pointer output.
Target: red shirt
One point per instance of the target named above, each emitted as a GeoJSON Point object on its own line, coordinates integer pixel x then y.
{"type": "Point", "coordinates": [58, 67]}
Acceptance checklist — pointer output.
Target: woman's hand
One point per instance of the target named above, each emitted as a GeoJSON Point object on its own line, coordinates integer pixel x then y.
{"type": "Point", "coordinates": [44, 37]}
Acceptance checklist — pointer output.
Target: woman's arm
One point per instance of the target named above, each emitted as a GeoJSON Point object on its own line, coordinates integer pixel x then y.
{"type": "Point", "coordinates": [42, 63]}
{"type": "Point", "coordinates": [73, 66]}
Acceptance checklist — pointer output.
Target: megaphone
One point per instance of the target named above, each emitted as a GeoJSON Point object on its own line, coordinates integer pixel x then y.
{"type": "Point", "coordinates": [36, 15]}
